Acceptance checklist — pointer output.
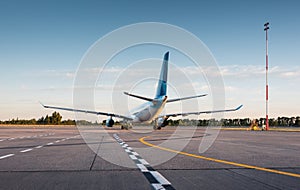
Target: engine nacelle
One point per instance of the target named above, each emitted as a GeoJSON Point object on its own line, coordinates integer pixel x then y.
{"type": "Point", "coordinates": [162, 121]}
{"type": "Point", "coordinates": [109, 122]}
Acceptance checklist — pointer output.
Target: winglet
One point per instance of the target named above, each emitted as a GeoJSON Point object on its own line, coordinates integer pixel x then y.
{"type": "Point", "coordinates": [42, 104]}
{"type": "Point", "coordinates": [239, 107]}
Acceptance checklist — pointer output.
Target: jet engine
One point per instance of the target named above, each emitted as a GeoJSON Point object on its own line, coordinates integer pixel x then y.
{"type": "Point", "coordinates": [109, 122]}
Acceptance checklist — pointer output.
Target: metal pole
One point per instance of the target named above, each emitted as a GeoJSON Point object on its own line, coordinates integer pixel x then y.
{"type": "Point", "coordinates": [267, 68]}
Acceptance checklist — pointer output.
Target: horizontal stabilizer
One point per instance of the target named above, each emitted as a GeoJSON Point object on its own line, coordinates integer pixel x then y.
{"type": "Point", "coordinates": [185, 98]}
{"type": "Point", "coordinates": [139, 97]}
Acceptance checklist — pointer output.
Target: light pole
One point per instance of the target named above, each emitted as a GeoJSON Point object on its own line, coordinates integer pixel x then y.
{"type": "Point", "coordinates": [266, 25]}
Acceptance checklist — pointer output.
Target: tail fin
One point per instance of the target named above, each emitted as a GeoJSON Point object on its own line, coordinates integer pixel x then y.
{"type": "Point", "coordinates": [162, 83]}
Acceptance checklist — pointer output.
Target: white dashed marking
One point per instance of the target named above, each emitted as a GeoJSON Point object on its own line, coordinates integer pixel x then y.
{"type": "Point", "coordinates": [126, 150]}
{"type": "Point", "coordinates": [157, 186]}
{"type": "Point", "coordinates": [28, 137]}
{"type": "Point", "coordinates": [156, 180]}
{"type": "Point", "coordinates": [37, 147]}
{"type": "Point", "coordinates": [142, 168]}
{"type": "Point", "coordinates": [133, 157]}
{"type": "Point", "coordinates": [134, 153]}
{"type": "Point", "coordinates": [26, 150]}
{"type": "Point", "coordinates": [143, 161]}
{"type": "Point", "coordinates": [6, 156]}
{"type": "Point", "coordinates": [160, 178]}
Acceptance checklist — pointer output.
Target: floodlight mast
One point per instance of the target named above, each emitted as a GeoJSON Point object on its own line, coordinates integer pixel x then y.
{"type": "Point", "coordinates": [266, 25]}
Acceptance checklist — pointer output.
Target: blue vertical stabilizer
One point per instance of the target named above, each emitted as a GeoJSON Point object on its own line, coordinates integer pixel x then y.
{"type": "Point", "coordinates": [162, 83]}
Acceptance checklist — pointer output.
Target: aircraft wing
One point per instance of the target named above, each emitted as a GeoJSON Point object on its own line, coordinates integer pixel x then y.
{"type": "Point", "coordinates": [198, 113]}
{"type": "Point", "coordinates": [87, 111]}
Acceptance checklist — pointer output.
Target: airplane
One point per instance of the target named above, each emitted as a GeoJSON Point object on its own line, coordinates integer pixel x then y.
{"type": "Point", "coordinates": [152, 109]}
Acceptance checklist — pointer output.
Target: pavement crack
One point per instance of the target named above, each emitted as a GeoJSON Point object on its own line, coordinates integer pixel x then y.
{"type": "Point", "coordinates": [96, 154]}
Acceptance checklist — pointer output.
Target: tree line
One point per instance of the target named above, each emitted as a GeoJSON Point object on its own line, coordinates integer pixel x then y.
{"type": "Point", "coordinates": [274, 122]}
{"type": "Point", "coordinates": [56, 119]}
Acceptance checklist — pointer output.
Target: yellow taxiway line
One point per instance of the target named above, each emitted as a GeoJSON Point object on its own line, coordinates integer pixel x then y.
{"type": "Point", "coordinates": [142, 140]}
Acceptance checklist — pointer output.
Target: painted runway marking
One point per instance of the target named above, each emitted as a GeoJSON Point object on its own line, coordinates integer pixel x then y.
{"type": "Point", "coordinates": [156, 180]}
{"type": "Point", "coordinates": [37, 147]}
{"type": "Point", "coordinates": [126, 150]}
{"type": "Point", "coordinates": [144, 162]}
{"type": "Point", "coordinates": [159, 177]}
{"type": "Point", "coordinates": [22, 137]}
{"type": "Point", "coordinates": [27, 137]}
{"type": "Point", "coordinates": [26, 150]}
{"type": "Point", "coordinates": [142, 140]}
{"type": "Point", "coordinates": [142, 167]}
{"type": "Point", "coordinates": [133, 157]}
{"type": "Point", "coordinates": [134, 153]}
{"type": "Point", "coordinates": [6, 156]}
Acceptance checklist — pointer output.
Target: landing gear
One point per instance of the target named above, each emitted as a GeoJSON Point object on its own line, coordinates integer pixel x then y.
{"type": "Point", "coordinates": [126, 126]}
{"type": "Point", "coordinates": [155, 127]}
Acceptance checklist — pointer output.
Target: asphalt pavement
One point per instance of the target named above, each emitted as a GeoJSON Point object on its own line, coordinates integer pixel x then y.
{"type": "Point", "coordinates": [171, 158]}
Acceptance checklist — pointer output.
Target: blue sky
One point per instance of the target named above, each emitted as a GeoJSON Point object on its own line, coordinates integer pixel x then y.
{"type": "Point", "coordinates": [42, 43]}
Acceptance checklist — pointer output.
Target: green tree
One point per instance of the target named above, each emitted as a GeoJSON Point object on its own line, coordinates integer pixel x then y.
{"type": "Point", "coordinates": [41, 121]}
{"type": "Point", "coordinates": [297, 121]}
{"type": "Point", "coordinates": [56, 118]}
{"type": "Point", "coordinates": [47, 120]}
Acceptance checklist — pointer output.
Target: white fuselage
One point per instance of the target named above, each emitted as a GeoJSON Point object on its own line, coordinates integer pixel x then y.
{"type": "Point", "coordinates": [149, 111]}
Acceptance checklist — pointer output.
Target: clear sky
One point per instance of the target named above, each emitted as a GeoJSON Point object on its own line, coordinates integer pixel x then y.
{"type": "Point", "coordinates": [42, 43]}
